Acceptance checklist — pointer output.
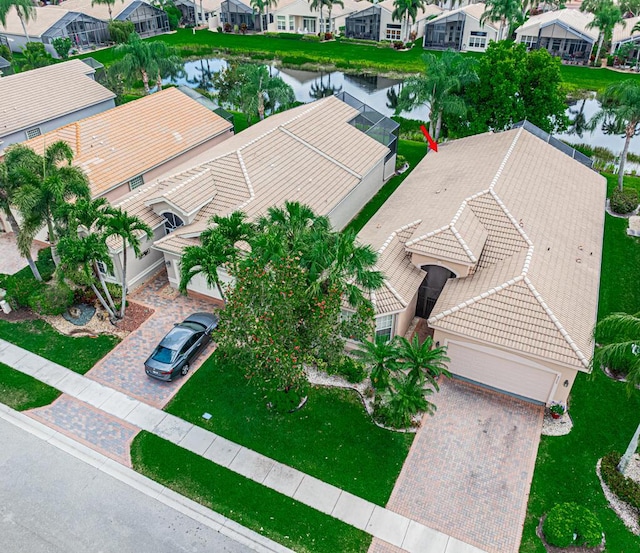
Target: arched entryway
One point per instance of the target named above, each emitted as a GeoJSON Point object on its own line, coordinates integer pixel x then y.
{"type": "Point", "coordinates": [431, 287]}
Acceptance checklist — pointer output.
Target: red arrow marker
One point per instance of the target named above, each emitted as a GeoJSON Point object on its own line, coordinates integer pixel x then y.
{"type": "Point", "coordinates": [432, 143]}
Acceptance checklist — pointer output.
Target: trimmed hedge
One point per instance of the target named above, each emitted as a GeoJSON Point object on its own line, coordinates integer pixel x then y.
{"type": "Point", "coordinates": [22, 285]}
{"type": "Point", "coordinates": [52, 299]}
{"type": "Point", "coordinates": [625, 488]}
{"type": "Point", "coordinates": [624, 201]}
{"type": "Point", "coordinates": [572, 524]}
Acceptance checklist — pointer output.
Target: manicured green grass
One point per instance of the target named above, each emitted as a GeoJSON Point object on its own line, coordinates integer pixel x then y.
{"type": "Point", "coordinates": [78, 354]}
{"type": "Point", "coordinates": [413, 153]}
{"type": "Point", "coordinates": [269, 513]}
{"type": "Point", "coordinates": [331, 437]}
{"type": "Point", "coordinates": [345, 56]}
{"type": "Point", "coordinates": [21, 392]}
{"type": "Point", "coordinates": [604, 415]}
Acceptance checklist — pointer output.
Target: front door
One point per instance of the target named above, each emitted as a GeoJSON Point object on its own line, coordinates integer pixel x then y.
{"type": "Point", "coordinates": [430, 289]}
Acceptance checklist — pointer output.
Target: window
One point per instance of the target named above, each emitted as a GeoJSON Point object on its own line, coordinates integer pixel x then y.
{"type": "Point", "coordinates": [393, 32]}
{"type": "Point", "coordinates": [384, 326]}
{"type": "Point", "coordinates": [477, 42]}
{"type": "Point", "coordinates": [32, 133]}
{"type": "Point", "coordinates": [309, 24]}
{"type": "Point", "coordinates": [104, 269]}
{"type": "Point", "coordinates": [282, 23]}
{"type": "Point", "coordinates": [171, 222]}
{"type": "Point", "coordinates": [135, 182]}
{"type": "Point", "coordinates": [292, 23]}
{"type": "Point", "coordinates": [530, 41]}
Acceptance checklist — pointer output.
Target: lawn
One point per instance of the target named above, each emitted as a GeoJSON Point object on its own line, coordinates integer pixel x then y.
{"type": "Point", "coordinates": [266, 511]}
{"type": "Point", "coordinates": [604, 416]}
{"type": "Point", "coordinates": [331, 437]}
{"type": "Point", "coordinates": [21, 392]}
{"type": "Point", "coordinates": [349, 57]}
{"type": "Point", "coordinates": [78, 354]}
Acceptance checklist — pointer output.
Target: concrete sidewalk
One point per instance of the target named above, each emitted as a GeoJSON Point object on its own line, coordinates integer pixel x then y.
{"type": "Point", "coordinates": [395, 529]}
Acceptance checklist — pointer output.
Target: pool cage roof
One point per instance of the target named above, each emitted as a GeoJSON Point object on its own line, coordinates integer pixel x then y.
{"type": "Point", "coordinates": [372, 123]}
{"type": "Point", "coordinates": [59, 28]}
{"type": "Point", "coordinates": [235, 6]}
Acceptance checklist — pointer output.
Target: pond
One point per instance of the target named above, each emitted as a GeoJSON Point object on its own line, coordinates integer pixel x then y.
{"type": "Point", "coordinates": [381, 92]}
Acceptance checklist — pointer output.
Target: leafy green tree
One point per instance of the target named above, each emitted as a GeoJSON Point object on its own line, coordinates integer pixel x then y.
{"type": "Point", "coordinates": [129, 229]}
{"type": "Point", "coordinates": [120, 31]}
{"type": "Point", "coordinates": [440, 86]}
{"type": "Point", "coordinates": [606, 15]}
{"type": "Point", "coordinates": [619, 339]}
{"type": "Point", "coordinates": [7, 189]}
{"type": "Point", "coordinates": [108, 3]}
{"type": "Point", "coordinates": [507, 12]}
{"type": "Point", "coordinates": [25, 10]}
{"type": "Point", "coordinates": [44, 183]}
{"type": "Point", "coordinates": [406, 11]}
{"type": "Point", "coordinates": [34, 55]}
{"type": "Point", "coordinates": [631, 7]}
{"type": "Point", "coordinates": [174, 15]}
{"type": "Point", "coordinates": [62, 45]}
{"type": "Point", "coordinates": [621, 103]}
{"type": "Point", "coordinates": [381, 358]}
{"type": "Point", "coordinates": [423, 362]}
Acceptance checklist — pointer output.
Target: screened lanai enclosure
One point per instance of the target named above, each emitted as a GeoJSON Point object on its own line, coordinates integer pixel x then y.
{"type": "Point", "coordinates": [235, 13]}
{"type": "Point", "coordinates": [147, 19]}
{"type": "Point", "coordinates": [364, 24]}
{"type": "Point", "coordinates": [445, 32]}
{"type": "Point", "coordinates": [83, 30]}
{"type": "Point", "coordinates": [564, 41]}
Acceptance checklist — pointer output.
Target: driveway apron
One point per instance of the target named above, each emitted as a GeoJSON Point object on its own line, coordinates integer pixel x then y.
{"type": "Point", "coordinates": [123, 367]}
{"type": "Point", "coordinates": [469, 470]}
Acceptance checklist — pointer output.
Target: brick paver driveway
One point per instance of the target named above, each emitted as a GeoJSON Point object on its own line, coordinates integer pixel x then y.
{"type": "Point", "coordinates": [470, 467]}
{"type": "Point", "coordinates": [10, 259]}
{"type": "Point", "coordinates": [123, 368]}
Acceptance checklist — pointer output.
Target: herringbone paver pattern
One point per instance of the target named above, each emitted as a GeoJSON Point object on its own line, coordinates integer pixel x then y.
{"type": "Point", "coordinates": [470, 467]}
{"type": "Point", "coordinates": [95, 428]}
{"type": "Point", "coordinates": [123, 367]}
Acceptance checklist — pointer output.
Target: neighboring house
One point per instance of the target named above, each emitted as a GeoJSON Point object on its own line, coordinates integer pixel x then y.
{"type": "Point", "coordinates": [461, 30]}
{"type": "Point", "coordinates": [375, 22]}
{"type": "Point", "coordinates": [135, 143]}
{"type": "Point", "coordinates": [318, 154]}
{"type": "Point", "coordinates": [41, 100]}
{"type": "Point", "coordinates": [563, 33]}
{"type": "Point", "coordinates": [625, 35]}
{"type": "Point", "coordinates": [496, 240]}
{"type": "Point", "coordinates": [85, 31]}
{"type": "Point", "coordinates": [5, 67]}
{"type": "Point", "coordinates": [199, 12]}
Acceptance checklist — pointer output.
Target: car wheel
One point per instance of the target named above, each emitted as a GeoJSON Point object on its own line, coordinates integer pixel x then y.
{"type": "Point", "coordinates": [185, 369]}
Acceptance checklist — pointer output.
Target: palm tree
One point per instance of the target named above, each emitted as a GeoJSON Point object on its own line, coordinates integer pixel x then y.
{"type": "Point", "coordinates": [381, 358]}
{"type": "Point", "coordinates": [318, 5]}
{"type": "Point", "coordinates": [578, 123]}
{"type": "Point", "coordinates": [504, 11]}
{"type": "Point", "coordinates": [129, 229]}
{"type": "Point", "coordinates": [405, 398]}
{"type": "Point", "coordinates": [269, 4]}
{"type": "Point", "coordinates": [443, 79]}
{"type": "Point", "coordinates": [636, 29]}
{"type": "Point", "coordinates": [406, 10]}
{"type": "Point", "coordinates": [606, 15]}
{"type": "Point", "coordinates": [618, 336]}
{"type": "Point", "coordinates": [258, 6]}
{"type": "Point", "coordinates": [25, 10]}
{"type": "Point", "coordinates": [167, 61]}
{"type": "Point", "coordinates": [44, 183]}
{"type": "Point", "coordinates": [330, 4]}
{"type": "Point", "coordinates": [423, 362]}
{"type": "Point", "coordinates": [108, 3]}
{"type": "Point", "coordinates": [621, 103]}
{"type": "Point", "coordinates": [260, 90]}
{"type": "Point", "coordinates": [7, 188]}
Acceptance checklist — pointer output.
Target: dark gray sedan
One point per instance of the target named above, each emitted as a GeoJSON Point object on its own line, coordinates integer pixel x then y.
{"type": "Point", "coordinates": [181, 346]}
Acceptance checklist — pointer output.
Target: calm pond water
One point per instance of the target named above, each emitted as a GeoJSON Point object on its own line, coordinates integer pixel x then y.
{"type": "Point", "coordinates": [379, 93]}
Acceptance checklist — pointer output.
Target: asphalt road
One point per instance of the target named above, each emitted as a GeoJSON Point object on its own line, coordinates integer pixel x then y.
{"type": "Point", "coordinates": [51, 502]}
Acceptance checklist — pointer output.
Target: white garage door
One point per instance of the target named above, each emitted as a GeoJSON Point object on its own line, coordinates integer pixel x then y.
{"type": "Point", "coordinates": [503, 371]}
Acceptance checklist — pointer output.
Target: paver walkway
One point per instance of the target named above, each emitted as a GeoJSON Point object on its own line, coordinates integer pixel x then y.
{"type": "Point", "coordinates": [396, 529]}
{"type": "Point", "coordinates": [123, 367]}
{"type": "Point", "coordinates": [470, 466]}
{"type": "Point", "coordinates": [10, 259]}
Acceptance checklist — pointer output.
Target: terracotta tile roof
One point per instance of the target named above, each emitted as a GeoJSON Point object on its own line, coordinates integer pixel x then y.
{"type": "Point", "coordinates": [100, 11]}
{"type": "Point", "coordinates": [426, 11]}
{"type": "Point", "coordinates": [46, 93]}
{"type": "Point", "coordinates": [535, 285]}
{"type": "Point", "coordinates": [121, 143]}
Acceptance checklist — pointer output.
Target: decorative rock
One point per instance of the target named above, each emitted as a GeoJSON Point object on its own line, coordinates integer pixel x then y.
{"type": "Point", "coordinates": [6, 308]}
{"type": "Point", "coordinates": [634, 226]}
{"type": "Point", "coordinates": [79, 314]}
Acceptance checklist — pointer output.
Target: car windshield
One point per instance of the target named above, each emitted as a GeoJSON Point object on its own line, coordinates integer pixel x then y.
{"type": "Point", "coordinates": [163, 355]}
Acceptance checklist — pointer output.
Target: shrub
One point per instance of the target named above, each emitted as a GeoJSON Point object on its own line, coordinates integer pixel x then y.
{"type": "Point", "coordinates": [51, 299]}
{"type": "Point", "coordinates": [624, 201]}
{"type": "Point", "coordinates": [5, 52]}
{"type": "Point", "coordinates": [311, 38]}
{"type": "Point", "coordinates": [62, 45]}
{"type": "Point", "coordinates": [400, 161]}
{"type": "Point", "coordinates": [243, 28]}
{"type": "Point", "coordinates": [120, 31]}
{"type": "Point", "coordinates": [283, 402]}
{"type": "Point", "coordinates": [398, 44]}
{"type": "Point", "coordinates": [572, 524]}
{"type": "Point", "coordinates": [20, 288]}
{"type": "Point", "coordinates": [219, 29]}
{"type": "Point", "coordinates": [286, 36]}
{"type": "Point", "coordinates": [227, 27]}
{"type": "Point", "coordinates": [353, 371]}
{"type": "Point", "coordinates": [328, 36]}
{"type": "Point", "coordinates": [625, 488]}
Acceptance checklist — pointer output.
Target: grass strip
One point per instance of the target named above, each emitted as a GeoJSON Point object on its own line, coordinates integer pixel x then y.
{"type": "Point", "coordinates": [21, 391]}
{"type": "Point", "coordinates": [266, 511]}
{"type": "Point", "coordinates": [76, 353]}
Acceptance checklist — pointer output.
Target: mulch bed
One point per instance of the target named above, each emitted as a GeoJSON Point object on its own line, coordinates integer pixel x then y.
{"type": "Point", "coordinates": [134, 316]}
{"type": "Point", "coordinates": [571, 549]}
{"type": "Point", "coordinates": [18, 315]}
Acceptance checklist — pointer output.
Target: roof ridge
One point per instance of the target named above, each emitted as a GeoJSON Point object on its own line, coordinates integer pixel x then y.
{"type": "Point", "coordinates": [556, 322]}
{"type": "Point", "coordinates": [505, 159]}
{"type": "Point", "coordinates": [247, 180]}
{"type": "Point", "coordinates": [395, 233]}
{"type": "Point", "coordinates": [395, 293]}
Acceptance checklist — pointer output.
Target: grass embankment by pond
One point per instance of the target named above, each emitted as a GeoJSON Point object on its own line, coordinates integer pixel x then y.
{"type": "Point", "coordinates": [604, 415]}
{"type": "Point", "coordinates": [345, 56]}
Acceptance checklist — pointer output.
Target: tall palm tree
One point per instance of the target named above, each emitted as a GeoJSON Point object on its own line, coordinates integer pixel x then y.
{"type": "Point", "coordinates": [423, 362]}
{"type": "Point", "coordinates": [381, 358]}
{"type": "Point", "coordinates": [108, 3]}
{"type": "Point", "coordinates": [621, 103]}
{"type": "Point", "coordinates": [619, 339]}
{"type": "Point", "coordinates": [636, 29]}
{"type": "Point", "coordinates": [405, 11]}
{"type": "Point", "coordinates": [25, 10]}
{"type": "Point", "coordinates": [504, 11]}
{"type": "Point", "coordinates": [318, 5]}
{"type": "Point", "coordinates": [267, 5]}
{"type": "Point", "coordinates": [443, 79]}
{"type": "Point", "coordinates": [330, 4]}
{"type": "Point", "coordinates": [7, 189]}
{"type": "Point", "coordinates": [168, 63]}
{"type": "Point", "coordinates": [44, 184]}
{"type": "Point", "coordinates": [606, 15]}
{"type": "Point", "coordinates": [129, 229]}
{"type": "Point", "coordinates": [258, 6]}
{"type": "Point", "coordinates": [260, 91]}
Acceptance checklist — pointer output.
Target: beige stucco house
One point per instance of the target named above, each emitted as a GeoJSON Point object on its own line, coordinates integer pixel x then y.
{"type": "Point", "coordinates": [461, 30]}
{"type": "Point", "coordinates": [496, 239]}
{"type": "Point", "coordinates": [313, 154]}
